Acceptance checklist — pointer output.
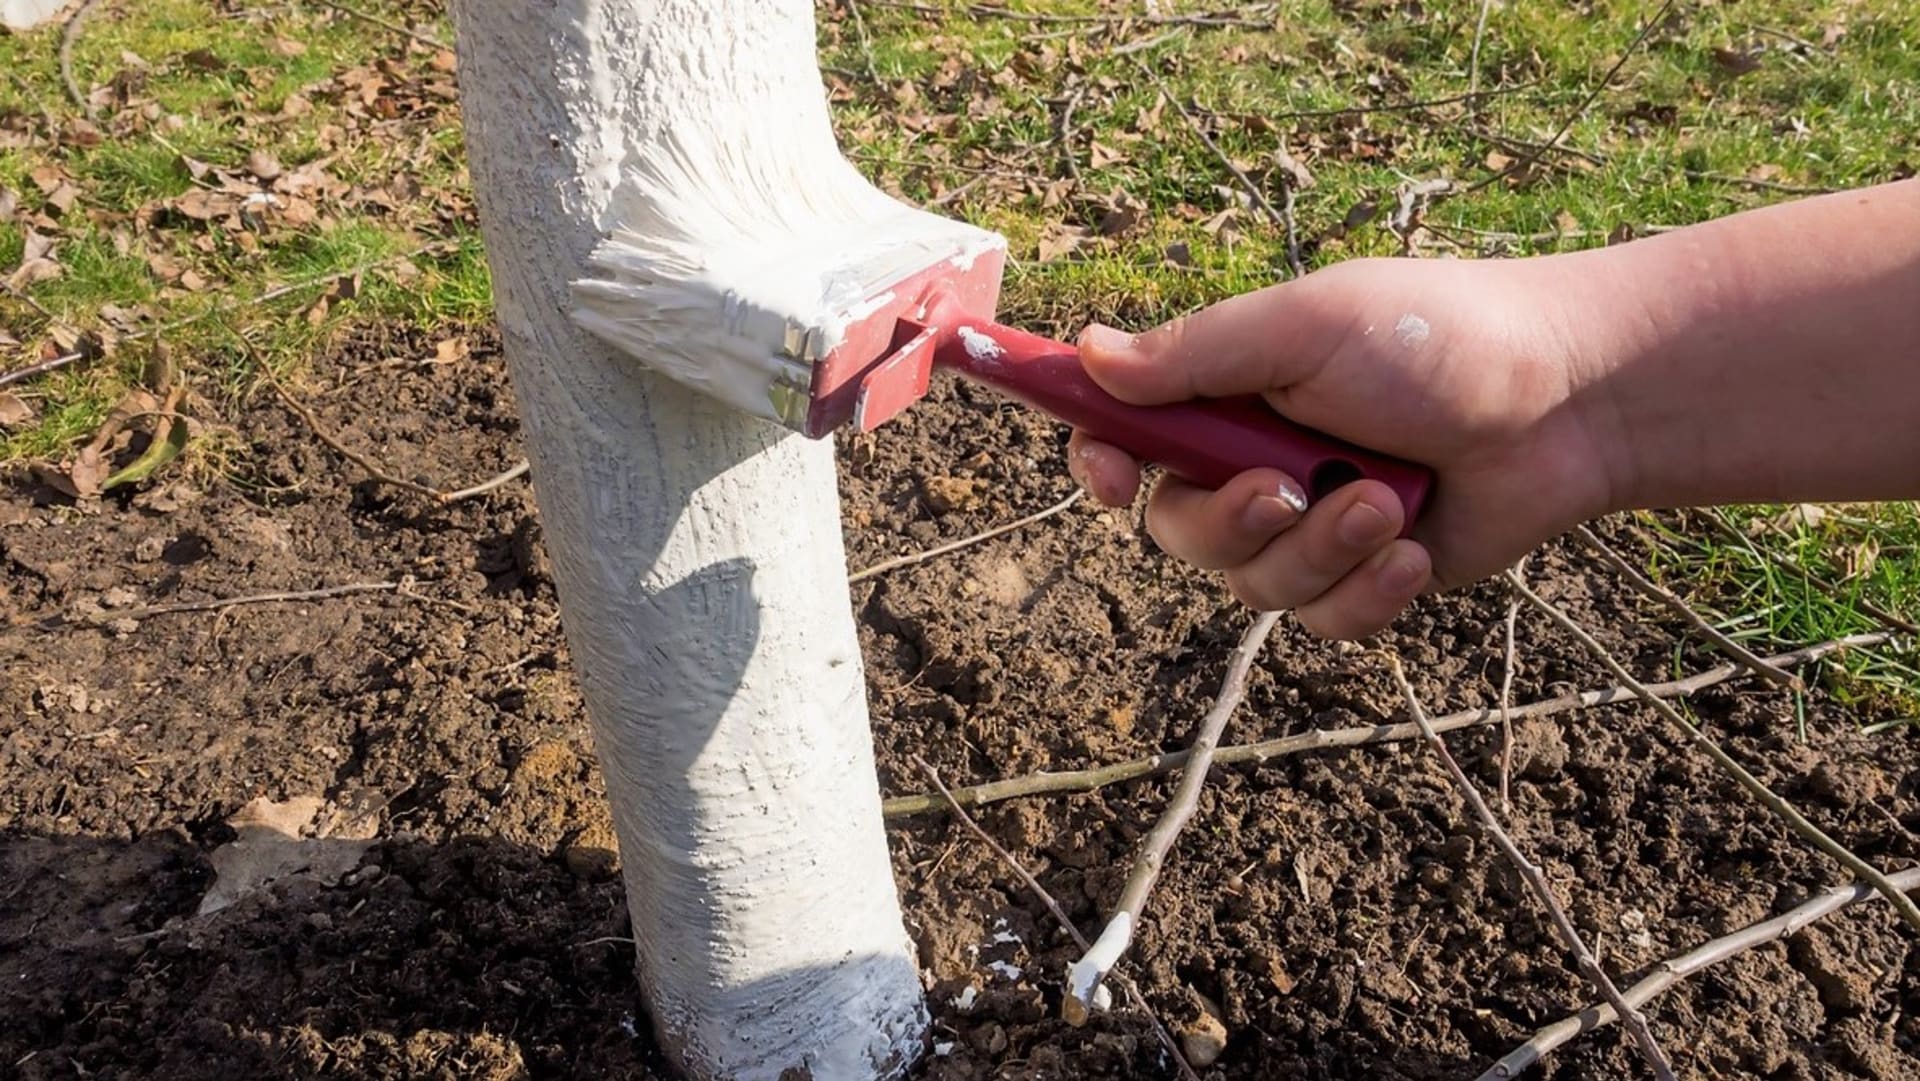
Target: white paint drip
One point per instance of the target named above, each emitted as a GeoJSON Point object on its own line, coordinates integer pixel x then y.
{"type": "Point", "coordinates": [966, 998]}
{"type": "Point", "coordinates": [942, 1048]}
{"type": "Point", "coordinates": [979, 346]}
{"type": "Point", "coordinates": [1005, 968]}
{"type": "Point", "coordinates": [1411, 330]}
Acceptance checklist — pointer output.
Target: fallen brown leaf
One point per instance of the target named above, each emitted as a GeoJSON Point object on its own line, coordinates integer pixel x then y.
{"type": "Point", "coordinates": [13, 411]}
{"type": "Point", "coordinates": [277, 841]}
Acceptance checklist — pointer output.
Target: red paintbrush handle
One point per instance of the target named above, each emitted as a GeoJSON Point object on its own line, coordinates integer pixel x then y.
{"type": "Point", "coordinates": [1206, 441]}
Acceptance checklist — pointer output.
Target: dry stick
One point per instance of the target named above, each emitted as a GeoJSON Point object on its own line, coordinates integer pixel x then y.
{"type": "Point", "coordinates": [1506, 692]}
{"type": "Point", "coordinates": [1797, 569]}
{"type": "Point", "coordinates": [1067, 782]}
{"type": "Point", "coordinates": [1285, 221]}
{"type": "Point", "coordinates": [1673, 970]}
{"type": "Point", "coordinates": [1528, 161]}
{"type": "Point", "coordinates": [1473, 62]}
{"type": "Point", "coordinates": [373, 469]}
{"type": "Point", "coordinates": [229, 307]}
{"type": "Point", "coordinates": [68, 35]}
{"type": "Point", "coordinates": [376, 20]}
{"type": "Point", "coordinates": [1053, 906]}
{"type": "Point", "coordinates": [110, 616]}
{"type": "Point", "coordinates": [1536, 879]}
{"type": "Point", "coordinates": [1686, 612]}
{"type": "Point", "coordinates": [866, 43]}
{"type": "Point", "coordinates": [1085, 976]}
{"type": "Point", "coordinates": [897, 562]}
{"type": "Point", "coordinates": [1795, 821]}
{"type": "Point", "coordinates": [486, 486]}
{"type": "Point", "coordinates": [1242, 18]}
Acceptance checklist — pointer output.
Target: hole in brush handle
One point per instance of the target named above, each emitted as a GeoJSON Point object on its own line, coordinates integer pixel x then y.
{"type": "Point", "coordinates": [1331, 475]}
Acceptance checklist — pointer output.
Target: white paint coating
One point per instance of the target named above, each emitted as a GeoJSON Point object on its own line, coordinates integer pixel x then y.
{"type": "Point", "coordinates": [1411, 330]}
{"type": "Point", "coordinates": [735, 219]}
{"type": "Point", "coordinates": [1085, 975]}
{"type": "Point", "coordinates": [1005, 968]}
{"type": "Point", "coordinates": [27, 14]}
{"type": "Point", "coordinates": [697, 551]}
{"type": "Point", "coordinates": [979, 346]}
{"type": "Point", "coordinates": [966, 998]}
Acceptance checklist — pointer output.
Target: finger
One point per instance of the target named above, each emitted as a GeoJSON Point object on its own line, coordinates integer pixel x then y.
{"type": "Point", "coordinates": [1108, 473]}
{"type": "Point", "coordinates": [1343, 531]}
{"type": "Point", "coordinates": [1373, 596]}
{"type": "Point", "coordinates": [1214, 530]}
{"type": "Point", "coordinates": [1265, 340]}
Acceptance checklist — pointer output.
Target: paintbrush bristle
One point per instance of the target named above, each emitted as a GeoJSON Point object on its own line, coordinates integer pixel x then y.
{"type": "Point", "coordinates": [737, 265]}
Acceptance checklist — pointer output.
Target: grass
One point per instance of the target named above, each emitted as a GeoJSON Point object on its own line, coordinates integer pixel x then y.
{"type": "Point", "coordinates": [1723, 107]}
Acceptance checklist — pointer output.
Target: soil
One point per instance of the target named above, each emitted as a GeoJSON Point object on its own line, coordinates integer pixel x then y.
{"type": "Point", "coordinates": [1338, 910]}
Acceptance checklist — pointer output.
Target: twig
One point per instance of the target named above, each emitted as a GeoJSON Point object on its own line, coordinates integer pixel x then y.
{"type": "Point", "coordinates": [1787, 813]}
{"type": "Point", "coordinates": [1529, 160]}
{"type": "Point", "coordinates": [373, 468]}
{"type": "Point", "coordinates": [1246, 182]}
{"type": "Point", "coordinates": [69, 34]}
{"type": "Point", "coordinates": [1053, 906]}
{"type": "Point", "coordinates": [1065, 134]}
{"type": "Point", "coordinates": [1756, 182]}
{"type": "Point", "coordinates": [1685, 611]}
{"type": "Point", "coordinates": [1506, 695]}
{"type": "Point", "coordinates": [1673, 970]}
{"type": "Point", "coordinates": [1287, 198]}
{"type": "Point", "coordinates": [113, 615]}
{"type": "Point", "coordinates": [1473, 62]}
{"type": "Point", "coordinates": [486, 486]}
{"type": "Point", "coordinates": [368, 17]}
{"type": "Point", "coordinates": [897, 562]}
{"type": "Point", "coordinates": [1535, 879]}
{"type": "Point", "coordinates": [229, 307]}
{"type": "Point", "coordinates": [1085, 975]}
{"type": "Point", "coordinates": [866, 43]}
{"type": "Point", "coordinates": [1087, 780]}
{"type": "Point", "coordinates": [366, 464]}
{"type": "Point", "coordinates": [1799, 570]}
{"type": "Point", "coordinates": [1243, 18]}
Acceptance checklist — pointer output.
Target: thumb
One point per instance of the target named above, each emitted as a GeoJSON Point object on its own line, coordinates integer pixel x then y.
{"type": "Point", "coordinates": [1259, 341]}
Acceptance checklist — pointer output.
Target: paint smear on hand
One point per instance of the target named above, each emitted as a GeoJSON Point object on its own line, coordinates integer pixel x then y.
{"type": "Point", "coordinates": [1411, 330]}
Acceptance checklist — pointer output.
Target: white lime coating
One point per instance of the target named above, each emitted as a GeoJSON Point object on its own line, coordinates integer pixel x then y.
{"type": "Point", "coordinates": [697, 551]}
{"type": "Point", "coordinates": [1085, 975]}
{"type": "Point", "coordinates": [979, 346]}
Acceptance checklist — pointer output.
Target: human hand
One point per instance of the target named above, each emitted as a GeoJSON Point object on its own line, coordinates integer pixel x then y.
{"type": "Point", "coordinates": [1472, 369]}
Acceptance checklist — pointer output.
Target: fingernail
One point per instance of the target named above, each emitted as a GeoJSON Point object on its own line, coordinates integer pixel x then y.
{"type": "Point", "coordinates": [1105, 339]}
{"type": "Point", "coordinates": [1400, 572]}
{"type": "Point", "coordinates": [1363, 526]}
{"type": "Point", "coordinates": [1266, 513]}
{"type": "Point", "coordinates": [1293, 495]}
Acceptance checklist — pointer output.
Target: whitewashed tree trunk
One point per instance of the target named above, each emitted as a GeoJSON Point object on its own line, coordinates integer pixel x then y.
{"type": "Point", "coordinates": [697, 551]}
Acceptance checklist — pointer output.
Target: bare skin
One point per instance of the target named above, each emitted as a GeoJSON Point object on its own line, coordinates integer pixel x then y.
{"type": "Point", "coordinates": [1769, 356]}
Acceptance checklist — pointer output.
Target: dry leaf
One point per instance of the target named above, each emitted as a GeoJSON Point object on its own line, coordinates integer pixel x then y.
{"type": "Point", "coordinates": [450, 350]}
{"type": "Point", "coordinates": [1498, 162]}
{"type": "Point", "coordinates": [13, 411]}
{"type": "Point", "coordinates": [270, 846]}
{"type": "Point", "coordinates": [1298, 174]}
{"type": "Point", "coordinates": [1179, 253]}
{"type": "Point", "coordinates": [1735, 62]}
{"type": "Point", "coordinates": [1060, 241]}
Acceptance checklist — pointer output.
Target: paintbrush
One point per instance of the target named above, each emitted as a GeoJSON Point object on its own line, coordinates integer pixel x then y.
{"type": "Point", "coordinates": [815, 300]}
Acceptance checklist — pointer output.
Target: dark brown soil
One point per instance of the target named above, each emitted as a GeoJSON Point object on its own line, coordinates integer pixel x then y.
{"type": "Point", "coordinates": [1339, 908]}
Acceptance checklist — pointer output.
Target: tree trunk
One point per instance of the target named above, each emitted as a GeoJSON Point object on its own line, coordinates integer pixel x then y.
{"type": "Point", "coordinates": [696, 550]}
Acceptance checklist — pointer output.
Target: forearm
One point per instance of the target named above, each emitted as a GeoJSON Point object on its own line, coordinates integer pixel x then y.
{"type": "Point", "coordinates": [1770, 356]}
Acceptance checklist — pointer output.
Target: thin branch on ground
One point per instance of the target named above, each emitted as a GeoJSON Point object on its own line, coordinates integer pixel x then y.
{"type": "Point", "coordinates": [367, 465]}
{"type": "Point", "coordinates": [1648, 587]}
{"type": "Point", "coordinates": [368, 17]}
{"type": "Point", "coordinates": [1673, 970]}
{"type": "Point", "coordinates": [1087, 973]}
{"type": "Point", "coordinates": [1288, 196]}
{"type": "Point", "coordinates": [1797, 569]}
{"type": "Point", "coordinates": [69, 34]}
{"type": "Point", "coordinates": [1786, 812]}
{"type": "Point", "coordinates": [1279, 218]}
{"type": "Point", "coordinates": [228, 307]}
{"type": "Point", "coordinates": [1536, 880]}
{"type": "Point", "coordinates": [1473, 61]}
{"type": "Point", "coordinates": [111, 615]}
{"type": "Point", "coordinates": [1065, 782]}
{"type": "Point", "coordinates": [1245, 18]}
{"type": "Point", "coordinates": [1759, 183]}
{"type": "Point", "coordinates": [378, 473]}
{"type": "Point", "coordinates": [1063, 135]}
{"type": "Point", "coordinates": [517, 471]}
{"type": "Point", "coordinates": [1033, 885]}
{"type": "Point", "coordinates": [897, 562]}
{"type": "Point", "coordinates": [1529, 160]}
{"type": "Point", "coordinates": [866, 42]}
{"type": "Point", "coordinates": [1506, 692]}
